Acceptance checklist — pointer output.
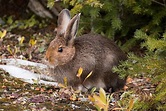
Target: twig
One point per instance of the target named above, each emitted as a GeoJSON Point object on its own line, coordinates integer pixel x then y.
{"type": "Point", "coordinates": [163, 4]}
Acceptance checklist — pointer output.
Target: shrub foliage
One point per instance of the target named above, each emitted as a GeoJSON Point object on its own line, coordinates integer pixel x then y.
{"type": "Point", "coordinates": [141, 23]}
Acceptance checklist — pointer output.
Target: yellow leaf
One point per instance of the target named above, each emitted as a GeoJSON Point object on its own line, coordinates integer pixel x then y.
{"type": "Point", "coordinates": [88, 76]}
{"type": "Point", "coordinates": [80, 70]}
{"type": "Point", "coordinates": [65, 81]}
{"type": "Point", "coordinates": [119, 109]}
{"type": "Point", "coordinates": [73, 97]}
{"type": "Point", "coordinates": [61, 85]}
{"type": "Point", "coordinates": [32, 42]}
{"type": "Point", "coordinates": [16, 50]}
{"type": "Point", "coordinates": [102, 95]}
{"type": "Point", "coordinates": [91, 98]}
{"type": "Point", "coordinates": [36, 81]}
{"type": "Point", "coordinates": [9, 49]}
{"type": "Point", "coordinates": [93, 90]}
{"type": "Point", "coordinates": [99, 102]}
{"type": "Point", "coordinates": [22, 39]}
{"type": "Point", "coordinates": [107, 102]}
{"type": "Point", "coordinates": [131, 103]}
{"type": "Point", "coordinates": [3, 34]}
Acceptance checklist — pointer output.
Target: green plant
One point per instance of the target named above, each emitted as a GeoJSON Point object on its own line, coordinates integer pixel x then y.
{"type": "Point", "coordinates": [100, 101]}
{"type": "Point", "coordinates": [3, 34]}
{"type": "Point", "coordinates": [139, 23]}
{"type": "Point", "coordinates": [151, 66]}
{"type": "Point", "coordinates": [23, 24]}
{"type": "Point", "coordinates": [127, 101]}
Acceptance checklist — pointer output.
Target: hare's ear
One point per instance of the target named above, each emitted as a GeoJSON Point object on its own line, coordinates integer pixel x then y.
{"type": "Point", "coordinates": [63, 21]}
{"type": "Point", "coordinates": [71, 30]}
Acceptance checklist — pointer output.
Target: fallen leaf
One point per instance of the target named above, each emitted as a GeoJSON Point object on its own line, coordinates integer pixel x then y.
{"type": "Point", "coordinates": [80, 70]}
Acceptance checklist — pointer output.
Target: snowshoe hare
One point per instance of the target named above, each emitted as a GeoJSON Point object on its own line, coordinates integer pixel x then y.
{"type": "Point", "coordinates": [92, 52]}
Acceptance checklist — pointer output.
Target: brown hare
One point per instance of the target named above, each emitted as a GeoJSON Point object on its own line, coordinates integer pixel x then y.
{"type": "Point", "coordinates": [92, 52]}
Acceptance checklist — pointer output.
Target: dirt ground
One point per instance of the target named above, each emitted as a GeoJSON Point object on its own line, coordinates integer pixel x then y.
{"type": "Point", "coordinates": [16, 95]}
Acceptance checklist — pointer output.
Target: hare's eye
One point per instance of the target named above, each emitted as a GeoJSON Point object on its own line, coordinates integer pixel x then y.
{"type": "Point", "coordinates": [60, 49]}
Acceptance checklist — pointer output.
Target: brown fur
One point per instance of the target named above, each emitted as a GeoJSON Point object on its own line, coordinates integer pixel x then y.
{"type": "Point", "coordinates": [92, 52]}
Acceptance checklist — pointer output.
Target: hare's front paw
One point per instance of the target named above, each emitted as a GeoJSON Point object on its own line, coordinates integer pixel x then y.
{"type": "Point", "coordinates": [91, 84]}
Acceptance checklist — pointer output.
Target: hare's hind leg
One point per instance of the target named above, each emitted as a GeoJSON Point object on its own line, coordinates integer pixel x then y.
{"type": "Point", "coordinates": [111, 81]}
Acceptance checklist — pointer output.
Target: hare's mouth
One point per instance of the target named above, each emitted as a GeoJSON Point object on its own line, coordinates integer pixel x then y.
{"type": "Point", "coordinates": [50, 64]}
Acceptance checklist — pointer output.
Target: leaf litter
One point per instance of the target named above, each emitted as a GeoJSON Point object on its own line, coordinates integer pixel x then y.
{"type": "Point", "coordinates": [18, 95]}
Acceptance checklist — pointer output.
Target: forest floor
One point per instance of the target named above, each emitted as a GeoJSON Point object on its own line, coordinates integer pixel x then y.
{"type": "Point", "coordinates": [16, 95]}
